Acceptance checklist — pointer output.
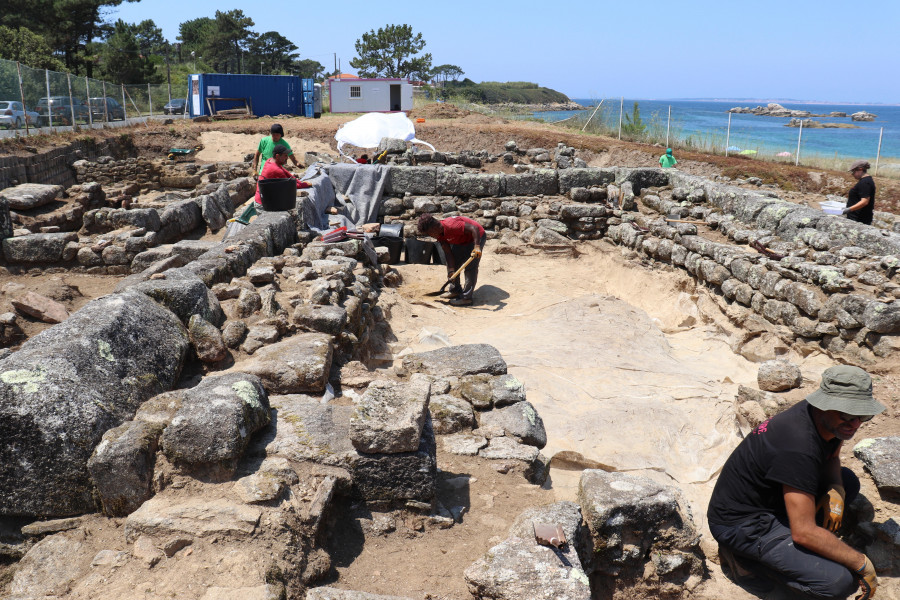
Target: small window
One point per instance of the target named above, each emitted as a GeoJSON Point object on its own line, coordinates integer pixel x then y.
{"type": "Point", "coordinates": [355, 91]}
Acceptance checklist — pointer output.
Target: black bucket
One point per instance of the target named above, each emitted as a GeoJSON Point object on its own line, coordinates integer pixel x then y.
{"type": "Point", "coordinates": [418, 252]}
{"type": "Point", "coordinates": [278, 193]}
{"type": "Point", "coordinates": [393, 244]}
{"type": "Point", "coordinates": [393, 230]}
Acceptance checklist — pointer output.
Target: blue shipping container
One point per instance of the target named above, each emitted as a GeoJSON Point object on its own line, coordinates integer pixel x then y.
{"type": "Point", "coordinates": [268, 95]}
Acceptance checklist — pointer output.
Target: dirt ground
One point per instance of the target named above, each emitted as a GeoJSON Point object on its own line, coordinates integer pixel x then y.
{"type": "Point", "coordinates": [532, 308]}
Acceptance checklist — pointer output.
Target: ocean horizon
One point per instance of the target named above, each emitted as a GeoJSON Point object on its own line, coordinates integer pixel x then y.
{"type": "Point", "coordinates": [705, 124]}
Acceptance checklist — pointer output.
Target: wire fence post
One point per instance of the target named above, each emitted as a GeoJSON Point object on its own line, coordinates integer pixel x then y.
{"type": "Point", "coordinates": [621, 107]}
{"type": "Point", "coordinates": [124, 106]}
{"type": "Point", "coordinates": [799, 137]}
{"type": "Point", "coordinates": [668, 122]}
{"type": "Point", "coordinates": [49, 111]}
{"type": "Point", "coordinates": [150, 100]}
{"type": "Point", "coordinates": [22, 95]}
{"type": "Point", "coordinates": [878, 155]}
{"type": "Point", "coordinates": [106, 105]}
{"type": "Point", "coordinates": [87, 88]}
{"type": "Point", "coordinates": [71, 100]}
{"type": "Point", "coordinates": [728, 134]}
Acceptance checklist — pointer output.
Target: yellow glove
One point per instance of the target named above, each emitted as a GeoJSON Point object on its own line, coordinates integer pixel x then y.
{"type": "Point", "coordinates": [868, 580]}
{"type": "Point", "coordinates": [832, 502]}
{"type": "Point", "coordinates": [476, 252]}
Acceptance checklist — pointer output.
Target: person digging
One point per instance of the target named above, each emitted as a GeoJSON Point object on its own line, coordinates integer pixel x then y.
{"type": "Point", "coordinates": [781, 495]}
{"type": "Point", "coordinates": [460, 238]}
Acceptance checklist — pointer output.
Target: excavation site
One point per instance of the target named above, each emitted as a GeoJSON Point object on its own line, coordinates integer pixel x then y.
{"type": "Point", "coordinates": [203, 398]}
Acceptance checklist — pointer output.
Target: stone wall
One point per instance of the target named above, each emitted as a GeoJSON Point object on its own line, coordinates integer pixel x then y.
{"type": "Point", "coordinates": [822, 280]}
{"type": "Point", "coordinates": [55, 166]}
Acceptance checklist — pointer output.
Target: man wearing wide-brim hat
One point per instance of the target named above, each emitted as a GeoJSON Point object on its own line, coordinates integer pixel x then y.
{"type": "Point", "coordinates": [780, 497]}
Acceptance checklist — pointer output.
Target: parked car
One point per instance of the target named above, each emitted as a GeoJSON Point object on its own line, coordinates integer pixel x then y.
{"type": "Point", "coordinates": [114, 109]}
{"type": "Point", "coordinates": [175, 106]}
{"type": "Point", "coordinates": [61, 110]}
{"type": "Point", "coordinates": [14, 115]}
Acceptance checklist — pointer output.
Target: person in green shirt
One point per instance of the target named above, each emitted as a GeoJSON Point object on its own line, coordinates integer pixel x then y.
{"type": "Point", "coordinates": [267, 145]}
{"type": "Point", "coordinates": [667, 161]}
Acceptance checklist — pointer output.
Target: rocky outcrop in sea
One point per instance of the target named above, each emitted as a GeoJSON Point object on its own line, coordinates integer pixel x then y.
{"type": "Point", "coordinates": [773, 109]}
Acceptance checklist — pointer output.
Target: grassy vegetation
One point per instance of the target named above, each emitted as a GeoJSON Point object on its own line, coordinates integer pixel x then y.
{"type": "Point", "coordinates": [495, 92]}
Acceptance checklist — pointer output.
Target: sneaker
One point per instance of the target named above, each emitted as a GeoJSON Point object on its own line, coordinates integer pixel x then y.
{"type": "Point", "coordinates": [461, 302]}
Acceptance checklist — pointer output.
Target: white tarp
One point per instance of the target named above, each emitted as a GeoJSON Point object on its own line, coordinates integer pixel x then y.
{"type": "Point", "coordinates": [368, 130]}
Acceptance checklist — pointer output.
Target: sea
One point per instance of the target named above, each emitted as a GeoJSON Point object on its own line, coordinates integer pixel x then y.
{"type": "Point", "coordinates": [705, 124]}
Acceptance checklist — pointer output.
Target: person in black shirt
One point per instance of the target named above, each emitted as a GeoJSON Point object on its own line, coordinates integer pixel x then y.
{"type": "Point", "coordinates": [861, 198]}
{"type": "Point", "coordinates": [763, 510]}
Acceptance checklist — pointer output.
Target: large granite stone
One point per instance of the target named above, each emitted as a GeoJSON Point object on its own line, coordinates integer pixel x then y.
{"type": "Point", "coordinates": [634, 520]}
{"type": "Point", "coordinates": [585, 178]}
{"type": "Point", "coordinates": [71, 383]}
{"type": "Point", "coordinates": [882, 458]}
{"type": "Point", "coordinates": [451, 183]}
{"type": "Point", "coordinates": [37, 247]}
{"type": "Point", "coordinates": [197, 517]}
{"type": "Point", "coordinates": [185, 297]}
{"type": "Point", "coordinates": [519, 421]}
{"type": "Point", "coordinates": [390, 416]}
{"type": "Point", "coordinates": [456, 361]}
{"type": "Point", "coordinates": [520, 569]}
{"type": "Point", "coordinates": [307, 430]}
{"type": "Point", "coordinates": [121, 466]}
{"type": "Point", "coordinates": [296, 365]}
{"type": "Point", "coordinates": [215, 420]}
{"type": "Point", "coordinates": [413, 180]}
{"type": "Point", "coordinates": [330, 593]}
{"type": "Point", "coordinates": [539, 181]}
{"type": "Point", "coordinates": [26, 196]}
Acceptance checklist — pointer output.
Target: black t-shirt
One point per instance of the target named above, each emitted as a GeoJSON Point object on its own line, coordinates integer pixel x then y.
{"type": "Point", "coordinates": [785, 450]}
{"type": "Point", "coordinates": [864, 188]}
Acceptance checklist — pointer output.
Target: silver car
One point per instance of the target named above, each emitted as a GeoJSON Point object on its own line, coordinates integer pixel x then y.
{"type": "Point", "coordinates": [14, 116]}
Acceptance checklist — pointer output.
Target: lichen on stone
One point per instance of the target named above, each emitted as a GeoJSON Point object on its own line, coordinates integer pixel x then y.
{"type": "Point", "coordinates": [105, 350]}
{"type": "Point", "coordinates": [28, 380]}
{"type": "Point", "coordinates": [247, 393]}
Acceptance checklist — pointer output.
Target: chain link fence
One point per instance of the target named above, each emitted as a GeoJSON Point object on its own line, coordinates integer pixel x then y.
{"type": "Point", "coordinates": [36, 101]}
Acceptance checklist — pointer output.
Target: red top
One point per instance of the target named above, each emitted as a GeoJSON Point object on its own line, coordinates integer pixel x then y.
{"type": "Point", "coordinates": [271, 170]}
{"type": "Point", "coordinates": [455, 231]}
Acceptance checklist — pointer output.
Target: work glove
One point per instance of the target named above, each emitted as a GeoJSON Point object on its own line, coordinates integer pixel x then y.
{"type": "Point", "coordinates": [845, 211]}
{"type": "Point", "coordinates": [476, 252]}
{"type": "Point", "coordinates": [832, 503]}
{"type": "Point", "coordinates": [868, 579]}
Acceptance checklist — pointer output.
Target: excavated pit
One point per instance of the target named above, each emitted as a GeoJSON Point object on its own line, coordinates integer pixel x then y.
{"type": "Point", "coordinates": [632, 341]}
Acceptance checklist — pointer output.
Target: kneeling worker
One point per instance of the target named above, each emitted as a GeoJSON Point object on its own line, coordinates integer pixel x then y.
{"type": "Point", "coordinates": [763, 510]}
{"type": "Point", "coordinates": [274, 169]}
{"type": "Point", "coordinates": [460, 237]}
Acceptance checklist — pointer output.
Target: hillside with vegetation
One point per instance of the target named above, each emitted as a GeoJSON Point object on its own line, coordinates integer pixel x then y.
{"type": "Point", "coordinates": [510, 92]}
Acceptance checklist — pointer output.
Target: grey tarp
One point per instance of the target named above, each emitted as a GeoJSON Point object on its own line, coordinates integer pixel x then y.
{"type": "Point", "coordinates": [363, 186]}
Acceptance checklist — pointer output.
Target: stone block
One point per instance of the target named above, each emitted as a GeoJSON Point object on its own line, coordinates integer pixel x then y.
{"type": "Point", "coordinates": [121, 466]}
{"type": "Point", "coordinates": [26, 196]}
{"type": "Point", "coordinates": [881, 456]}
{"type": "Point", "coordinates": [215, 420]}
{"type": "Point", "coordinates": [539, 181]}
{"type": "Point", "coordinates": [37, 247]}
{"type": "Point", "coordinates": [456, 361]}
{"type": "Point", "coordinates": [297, 364]}
{"type": "Point", "coordinates": [389, 416]}
{"type": "Point", "coordinates": [413, 180]}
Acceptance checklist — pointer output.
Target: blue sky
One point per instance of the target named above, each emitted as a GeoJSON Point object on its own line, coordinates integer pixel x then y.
{"type": "Point", "coordinates": [822, 51]}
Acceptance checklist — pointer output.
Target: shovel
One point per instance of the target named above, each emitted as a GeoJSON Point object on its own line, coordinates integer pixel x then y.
{"type": "Point", "coordinates": [452, 277]}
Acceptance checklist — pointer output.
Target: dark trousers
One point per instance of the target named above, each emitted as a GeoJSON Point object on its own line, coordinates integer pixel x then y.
{"type": "Point", "coordinates": [461, 253]}
{"type": "Point", "coordinates": [763, 545]}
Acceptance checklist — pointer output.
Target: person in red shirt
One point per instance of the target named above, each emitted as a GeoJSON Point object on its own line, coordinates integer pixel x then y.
{"type": "Point", "coordinates": [274, 168]}
{"type": "Point", "coordinates": [460, 237]}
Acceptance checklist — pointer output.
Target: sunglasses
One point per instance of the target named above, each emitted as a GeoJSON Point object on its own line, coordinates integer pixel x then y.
{"type": "Point", "coordinates": [847, 418]}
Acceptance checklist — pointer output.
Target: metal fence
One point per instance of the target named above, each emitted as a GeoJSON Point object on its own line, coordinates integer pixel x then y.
{"type": "Point", "coordinates": [54, 101]}
{"type": "Point", "coordinates": [720, 134]}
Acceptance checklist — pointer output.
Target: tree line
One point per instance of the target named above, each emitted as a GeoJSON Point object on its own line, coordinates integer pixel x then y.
{"type": "Point", "coordinates": [76, 36]}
